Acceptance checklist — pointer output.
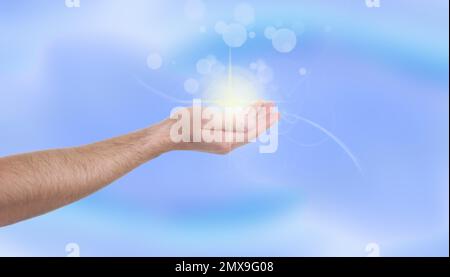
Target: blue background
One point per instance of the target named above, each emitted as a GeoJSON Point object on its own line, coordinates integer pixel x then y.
{"type": "Point", "coordinates": [377, 78]}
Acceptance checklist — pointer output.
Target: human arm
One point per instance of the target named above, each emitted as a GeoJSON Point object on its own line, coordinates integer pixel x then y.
{"type": "Point", "coordinates": [35, 183]}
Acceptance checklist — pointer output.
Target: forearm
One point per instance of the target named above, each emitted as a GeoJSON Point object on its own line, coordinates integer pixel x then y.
{"type": "Point", "coordinates": [35, 183]}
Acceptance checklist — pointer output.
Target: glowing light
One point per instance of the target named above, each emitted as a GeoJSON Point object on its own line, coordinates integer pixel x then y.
{"type": "Point", "coordinates": [269, 32]}
{"type": "Point", "coordinates": [236, 88]}
{"type": "Point", "coordinates": [235, 35]}
{"type": "Point", "coordinates": [241, 92]}
{"type": "Point", "coordinates": [284, 40]}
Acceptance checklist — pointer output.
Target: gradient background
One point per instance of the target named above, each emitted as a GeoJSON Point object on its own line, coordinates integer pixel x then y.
{"type": "Point", "coordinates": [377, 78]}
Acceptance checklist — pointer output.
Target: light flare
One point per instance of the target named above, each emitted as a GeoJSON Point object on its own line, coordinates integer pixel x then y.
{"type": "Point", "coordinates": [238, 88]}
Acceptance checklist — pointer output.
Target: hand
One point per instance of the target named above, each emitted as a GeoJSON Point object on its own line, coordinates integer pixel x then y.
{"type": "Point", "coordinates": [217, 130]}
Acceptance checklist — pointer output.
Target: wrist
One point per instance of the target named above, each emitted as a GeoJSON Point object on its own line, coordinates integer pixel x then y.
{"type": "Point", "coordinates": [159, 137]}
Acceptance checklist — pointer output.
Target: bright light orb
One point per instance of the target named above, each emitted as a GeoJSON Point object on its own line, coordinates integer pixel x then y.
{"type": "Point", "coordinates": [236, 90]}
{"type": "Point", "coordinates": [269, 32]}
{"type": "Point", "coordinates": [284, 40]}
{"type": "Point", "coordinates": [235, 35]}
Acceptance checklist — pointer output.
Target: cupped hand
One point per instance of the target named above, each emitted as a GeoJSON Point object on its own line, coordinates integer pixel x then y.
{"type": "Point", "coordinates": [220, 130]}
